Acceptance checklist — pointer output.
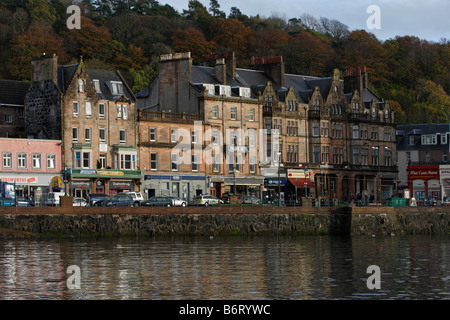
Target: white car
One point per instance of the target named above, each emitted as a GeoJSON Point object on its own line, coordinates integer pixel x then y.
{"type": "Point", "coordinates": [177, 202]}
{"type": "Point", "coordinates": [79, 202]}
{"type": "Point", "coordinates": [137, 197]}
{"type": "Point", "coordinates": [206, 200]}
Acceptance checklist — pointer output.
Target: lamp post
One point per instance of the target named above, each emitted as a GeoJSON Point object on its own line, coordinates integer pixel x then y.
{"type": "Point", "coordinates": [379, 172]}
{"type": "Point", "coordinates": [306, 184]}
{"type": "Point", "coordinates": [279, 183]}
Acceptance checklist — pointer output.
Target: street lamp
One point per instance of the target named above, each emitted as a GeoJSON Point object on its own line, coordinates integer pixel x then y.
{"type": "Point", "coordinates": [279, 184]}
{"type": "Point", "coordinates": [379, 174]}
{"type": "Point", "coordinates": [306, 184]}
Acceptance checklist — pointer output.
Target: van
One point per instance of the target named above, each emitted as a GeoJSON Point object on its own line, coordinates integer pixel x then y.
{"type": "Point", "coordinates": [137, 197]}
{"type": "Point", "coordinates": [53, 198]}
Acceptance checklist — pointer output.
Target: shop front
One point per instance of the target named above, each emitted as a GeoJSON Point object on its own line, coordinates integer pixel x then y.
{"type": "Point", "coordinates": [182, 186]}
{"type": "Point", "coordinates": [424, 181]}
{"type": "Point", "coordinates": [36, 185]}
{"type": "Point", "coordinates": [299, 184]}
{"type": "Point", "coordinates": [245, 186]}
{"type": "Point", "coordinates": [444, 173]}
{"type": "Point", "coordinates": [82, 182]}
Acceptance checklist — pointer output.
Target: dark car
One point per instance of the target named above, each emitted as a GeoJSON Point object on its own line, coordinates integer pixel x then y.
{"type": "Point", "coordinates": [159, 201]}
{"type": "Point", "coordinates": [119, 201]}
{"type": "Point", "coordinates": [24, 202]}
{"type": "Point", "coordinates": [95, 199]}
{"type": "Point", "coordinates": [250, 200]}
{"type": "Point", "coordinates": [226, 198]}
{"type": "Point", "coordinates": [6, 202]}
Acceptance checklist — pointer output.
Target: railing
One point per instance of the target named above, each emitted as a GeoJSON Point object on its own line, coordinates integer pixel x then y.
{"type": "Point", "coordinates": [170, 116]}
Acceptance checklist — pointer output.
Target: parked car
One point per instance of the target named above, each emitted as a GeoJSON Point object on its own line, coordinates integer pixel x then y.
{"type": "Point", "coordinates": [6, 202]}
{"type": "Point", "coordinates": [206, 200]}
{"type": "Point", "coordinates": [80, 202]}
{"type": "Point", "coordinates": [250, 200]}
{"type": "Point", "coordinates": [137, 197]}
{"type": "Point", "coordinates": [119, 201]}
{"type": "Point", "coordinates": [226, 198]}
{"type": "Point", "coordinates": [94, 199]}
{"type": "Point", "coordinates": [24, 202]}
{"type": "Point", "coordinates": [53, 198]}
{"type": "Point", "coordinates": [164, 201]}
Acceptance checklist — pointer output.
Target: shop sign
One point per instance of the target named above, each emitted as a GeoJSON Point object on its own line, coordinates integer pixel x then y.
{"type": "Point", "coordinates": [80, 184]}
{"type": "Point", "coordinates": [109, 173]}
{"type": "Point", "coordinates": [116, 185]}
{"type": "Point", "coordinates": [19, 180]}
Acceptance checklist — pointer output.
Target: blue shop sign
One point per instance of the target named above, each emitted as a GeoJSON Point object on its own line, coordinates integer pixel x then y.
{"type": "Point", "coordinates": [274, 182]}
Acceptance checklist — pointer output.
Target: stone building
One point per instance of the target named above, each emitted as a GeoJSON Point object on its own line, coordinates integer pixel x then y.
{"type": "Point", "coordinates": [93, 112]}
{"type": "Point", "coordinates": [334, 136]}
{"type": "Point", "coordinates": [12, 111]}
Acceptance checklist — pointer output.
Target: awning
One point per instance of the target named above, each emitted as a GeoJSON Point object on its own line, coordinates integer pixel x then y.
{"type": "Point", "coordinates": [300, 183]}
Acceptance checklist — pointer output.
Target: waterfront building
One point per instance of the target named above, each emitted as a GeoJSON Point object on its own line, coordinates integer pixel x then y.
{"type": "Point", "coordinates": [30, 164]}
{"type": "Point", "coordinates": [422, 149]}
{"type": "Point", "coordinates": [335, 137]}
{"type": "Point", "coordinates": [12, 113]}
{"type": "Point", "coordinates": [93, 113]}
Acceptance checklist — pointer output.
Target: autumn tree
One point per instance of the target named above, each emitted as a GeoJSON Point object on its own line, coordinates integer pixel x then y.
{"type": "Point", "coordinates": [191, 40]}
{"type": "Point", "coordinates": [231, 35]}
{"type": "Point", "coordinates": [39, 38]}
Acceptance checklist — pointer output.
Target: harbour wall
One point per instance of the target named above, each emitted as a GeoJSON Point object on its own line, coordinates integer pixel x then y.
{"type": "Point", "coordinates": [155, 221]}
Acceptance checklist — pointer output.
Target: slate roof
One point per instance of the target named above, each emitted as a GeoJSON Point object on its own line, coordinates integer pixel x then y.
{"type": "Point", "coordinates": [13, 92]}
{"type": "Point", "coordinates": [66, 73]}
{"type": "Point", "coordinates": [404, 131]}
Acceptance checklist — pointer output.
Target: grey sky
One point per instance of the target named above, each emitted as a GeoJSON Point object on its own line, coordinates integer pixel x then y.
{"type": "Point", "coordinates": [427, 20]}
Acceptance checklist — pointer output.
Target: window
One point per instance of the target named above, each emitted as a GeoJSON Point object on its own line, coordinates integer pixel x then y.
{"type": "Point", "coordinates": [408, 157]}
{"type": "Point", "coordinates": [216, 164]}
{"type": "Point", "coordinates": [215, 112]}
{"type": "Point", "coordinates": [127, 161]}
{"type": "Point", "coordinates": [51, 161]}
{"type": "Point", "coordinates": [251, 114]}
{"type": "Point", "coordinates": [374, 113]}
{"type": "Point", "coordinates": [338, 155]}
{"type": "Point", "coordinates": [21, 160]}
{"type": "Point", "coordinates": [75, 134]}
{"type": "Point", "coordinates": [173, 136]}
{"type": "Point", "coordinates": [174, 160]}
{"type": "Point", "coordinates": [88, 109]}
{"type": "Point", "coordinates": [153, 134]}
{"type": "Point", "coordinates": [316, 129]}
{"type": "Point", "coordinates": [119, 111]}
{"type": "Point", "coordinates": [375, 156]}
{"type": "Point", "coordinates": [21, 113]}
{"type": "Point", "coordinates": [444, 138]}
{"type": "Point", "coordinates": [86, 160]}
{"type": "Point", "coordinates": [411, 140]}
{"type": "Point", "coordinates": [116, 87]}
{"type": "Point", "coordinates": [87, 135]}
{"type": "Point", "coordinates": [427, 157]}
{"type": "Point", "coordinates": [364, 156]}
{"type": "Point", "coordinates": [81, 85]}
{"type": "Point", "coordinates": [316, 154]}
{"type": "Point", "coordinates": [215, 137]}
{"type": "Point", "coordinates": [102, 161]}
{"type": "Point", "coordinates": [97, 85]}
{"type": "Point", "coordinates": [195, 162]}
{"type": "Point", "coordinates": [325, 154]}
{"type": "Point", "coordinates": [277, 126]}
{"type": "Point", "coordinates": [233, 112]}
{"type": "Point", "coordinates": [356, 160]}
{"type": "Point", "coordinates": [251, 138]}
{"type": "Point", "coordinates": [102, 135]}
{"type": "Point", "coordinates": [125, 112]}
{"type": "Point", "coordinates": [387, 134]}
{"type": "Point", "coordinates": [387, 157]}
{"type": "Point", "coordinates": [36, 160]}
{"type": "Point", "coordinates": [7, 160]}
{"type": "Point", "coordinates": [355, 132]}
{"type": "Point", "coordinates": [8, 118]}
{"type": "Point", "coordinates": [324, 129]}
{"type": "Point", "coordinates": [429, 139]}
{"type": "Point", "coordinates": [123, 136]}
{"type": "Point", "coordinates": [252, 162]}
{"type": "Point", "coordinates": [76, 109]}
{"type": "Point", "coordinates": [153, 161]}
{"type": "Point", "coordinates": [194, 136]}
{"type": "Point", "coordinates": [102, 110]}
{"type": "Point", "coordinates": [234, 138]}
{"type": "Point", "coordinates": [77, 159]}
{"type": "Point", "coordinates": [364, 131]}
{"type": "Point", "coordinates": [444, 156]}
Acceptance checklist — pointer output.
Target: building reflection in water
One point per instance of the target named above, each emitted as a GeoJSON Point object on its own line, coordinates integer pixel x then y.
{"type": "Point", "coordinates": [286, 267]}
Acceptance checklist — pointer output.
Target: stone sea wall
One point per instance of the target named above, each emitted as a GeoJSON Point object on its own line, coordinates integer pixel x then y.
{"type": "Point", "coordinates": [225, 221]}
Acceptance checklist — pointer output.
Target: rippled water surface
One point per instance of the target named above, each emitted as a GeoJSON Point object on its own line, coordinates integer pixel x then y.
{"type": "Point", "coordinates": [304, 267]}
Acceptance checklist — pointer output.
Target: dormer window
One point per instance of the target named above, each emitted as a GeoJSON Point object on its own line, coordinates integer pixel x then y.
{"type": "Point", "coordinates": [429, 139]}
{"type": "Point", "coordinates": [116, 87]}
{"type": "Point", "coordinates": [244, 92]}
{"type": "Point", "coordinates": [209, 88]}
{"type": "Point", "coordinates": [97, 85]}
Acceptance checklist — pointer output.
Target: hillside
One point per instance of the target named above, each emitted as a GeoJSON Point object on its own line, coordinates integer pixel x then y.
{"type": "Point", "coordinates": [130, 35]}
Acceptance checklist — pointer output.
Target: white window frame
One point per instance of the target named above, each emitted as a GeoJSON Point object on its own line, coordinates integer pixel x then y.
{"type": "Point", "coordinates": [102, 110]}
{"type": "Point", "coordinates": [154, 162]}
{"type": "Point", "coordinates": [87, 135]}
{"type": "Point", "coordinates": [75, 134]}
{"type": "Point", "coordinates": [123, 133]}
{"type": "Point", "coordinates": [233, 113]}
{"type": "Point", "coordinates": [88, 106]}
{"type": "Point", "coordinates": [195, 164]}
{"type": "Point", "coordinates": [36, 161]}
{"type": "Point", "coordinates": [76, 108]}
{"type": "Point", "coordinates": [152, 133]}
{"type": "Point", "coordinates": [174, 161]}
{"type": "Point", "coordinates": [51, 158]}
{"type": "Point", "coordinates": [100, 130]}
{"type": "Point", "coordinates": [7, 160]}
{"type": "Point", "coordinates": [173, 136]}
{"type": "Point", "coordinates": [22, 160]}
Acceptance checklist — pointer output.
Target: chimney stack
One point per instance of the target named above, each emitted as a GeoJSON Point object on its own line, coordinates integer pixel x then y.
{"type": "Point", "coordinates": [220, 71]}
{"type": "Point", "coordinates": [356, 79]}
{"type": "Point", "coordinates": [210, 60]}
{"type": "Point", "coordinates": [273, 66]}
{"type": "Point", "coordinates": [45, 68]}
